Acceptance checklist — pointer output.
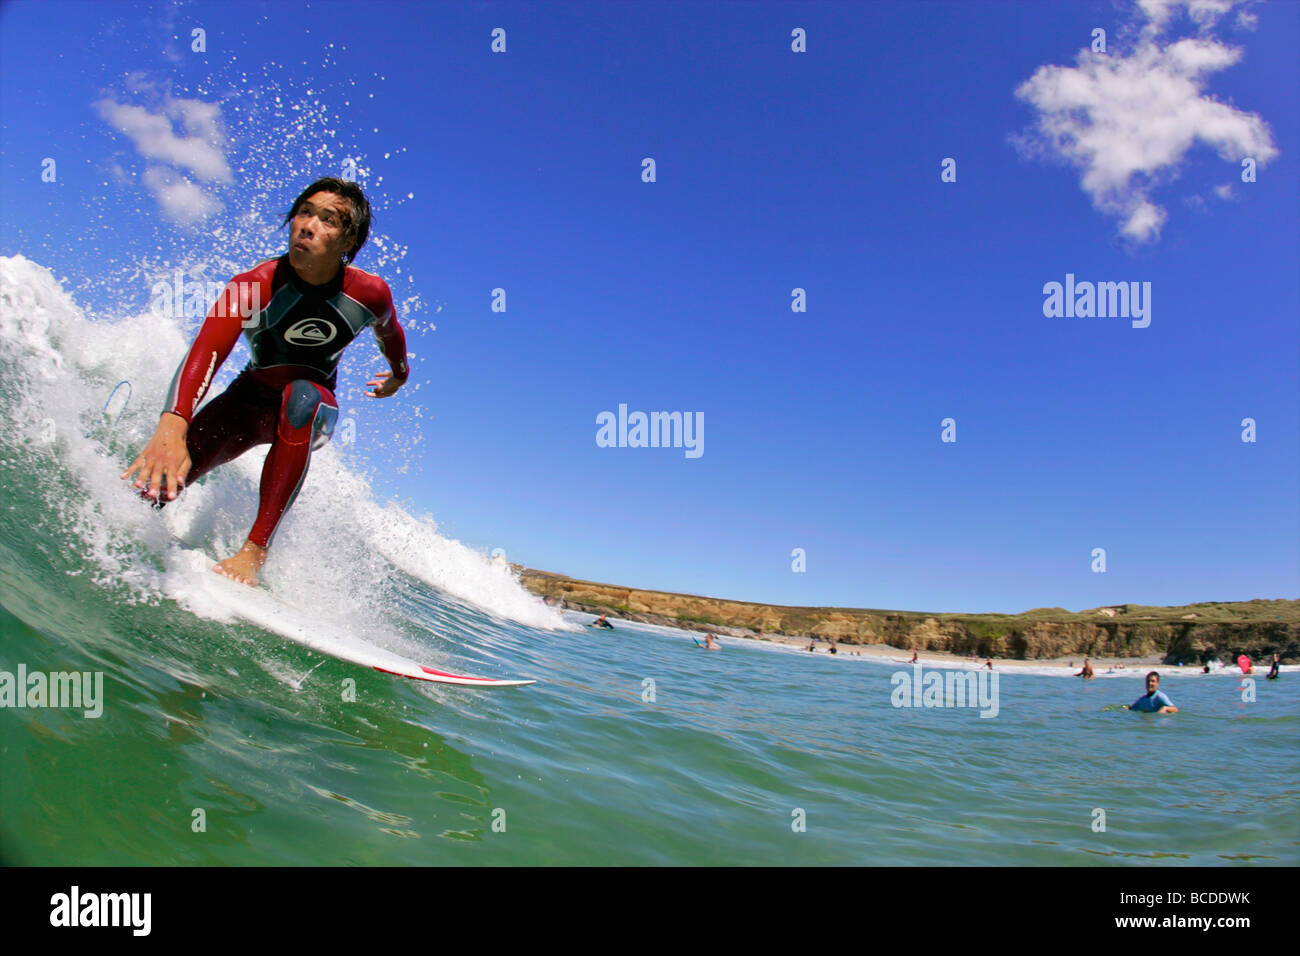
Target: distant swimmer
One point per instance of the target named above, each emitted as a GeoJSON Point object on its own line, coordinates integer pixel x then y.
{"type": "Point", "coordinates": [989, 664]}
{"type": "Point", "coordinates": [711, 643]}
{"type": "Point", "coordinates": [916, 658]}
{"type": "Point", "coordinates": [602, 622]}
{"type": "Point", "coordinates": [812, 647]}
{"type": "Point", "coordinates": [1155, 701]}
{"type": "Point", "coordinates": [1273, 671]}
{"type": "Point", "coordinates": [1086, 673]}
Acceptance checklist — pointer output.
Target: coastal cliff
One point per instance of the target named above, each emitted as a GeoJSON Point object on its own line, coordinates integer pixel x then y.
{"type": "Point", "coordinates": [1191, 634]}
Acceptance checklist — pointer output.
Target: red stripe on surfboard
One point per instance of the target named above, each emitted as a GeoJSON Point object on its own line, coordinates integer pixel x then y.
{"type": "Point", "coordinates": [430, 670]}
{"type": "Point", "coordinates": [385, 671]}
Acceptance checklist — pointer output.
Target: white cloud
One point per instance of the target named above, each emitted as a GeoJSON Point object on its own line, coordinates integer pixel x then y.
{"type": "Point", "coordinates": [181, 201]}
{"type": "Point", "coordinates": [1143, 221]}
{"type": "Point", "coordinates": [183, 133]}
{"type": "Point", "coordinates": [1205, 12]}
{"type": "Point", "coordinates": [155, 136]}
{"type": "Point", "coordinates": [1127, 121]}
{"type": "Point", "coordinates": [1224, 191]}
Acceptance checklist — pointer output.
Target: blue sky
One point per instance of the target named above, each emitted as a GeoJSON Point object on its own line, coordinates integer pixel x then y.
{"type": "Point", "coordinates": [775, 170]}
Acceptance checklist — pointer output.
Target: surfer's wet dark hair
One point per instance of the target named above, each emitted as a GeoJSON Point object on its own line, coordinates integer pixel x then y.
{"type": "Point", "coordinates": [356, 226]}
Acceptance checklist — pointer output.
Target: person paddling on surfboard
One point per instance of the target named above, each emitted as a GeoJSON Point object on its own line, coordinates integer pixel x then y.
{"type": "Point", "coordinates": [298, 312]}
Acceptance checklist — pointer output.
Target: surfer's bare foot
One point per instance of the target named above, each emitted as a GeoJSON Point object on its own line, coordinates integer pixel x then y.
{"type": "Point", "coordinates": [244, 566]}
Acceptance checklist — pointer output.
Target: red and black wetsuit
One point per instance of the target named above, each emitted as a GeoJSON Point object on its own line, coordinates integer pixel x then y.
{"type": "Point", "coordinates": [285, 395]}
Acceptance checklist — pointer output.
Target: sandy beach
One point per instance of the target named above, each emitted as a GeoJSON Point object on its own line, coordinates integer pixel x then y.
{"type": "Point", "coordinates": [895, 654]}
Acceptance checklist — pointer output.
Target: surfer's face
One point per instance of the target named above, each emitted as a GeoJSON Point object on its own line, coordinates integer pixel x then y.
{"type": "Point", "coordinates": [319, 232]}
{"type": "Point", "coordinates": [1153, 683]}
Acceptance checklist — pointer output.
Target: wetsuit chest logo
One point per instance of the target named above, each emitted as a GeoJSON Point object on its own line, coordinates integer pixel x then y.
{"type": "Point", "coordinates": [310, 332]}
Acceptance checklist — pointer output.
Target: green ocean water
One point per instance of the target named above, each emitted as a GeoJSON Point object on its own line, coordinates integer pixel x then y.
{"type": "Point", "coordinates": [579, 769]}
{"type": "Point", "coordinates": [634, 747]}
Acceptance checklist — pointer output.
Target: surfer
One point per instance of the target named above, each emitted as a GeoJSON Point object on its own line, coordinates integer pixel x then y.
{"type": "Point", "coordinates": [299, 312]}
{"type": "Point", "coordinates": [1155, 701]}
{"type": "Point", "coordinates": [711, 643]}
{"type": "Point", "coordinates": [602, 622]}
{"type": "Point", "coordinates": [1086, 673]}
{"type": "Point", "coordinates": [1273, 671]}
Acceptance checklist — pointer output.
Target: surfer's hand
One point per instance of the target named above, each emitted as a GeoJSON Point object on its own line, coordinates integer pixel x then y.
{"type": "Point", "coordinates": [165, 455]}
{"type": "Point", "coordinates": [384, 385]}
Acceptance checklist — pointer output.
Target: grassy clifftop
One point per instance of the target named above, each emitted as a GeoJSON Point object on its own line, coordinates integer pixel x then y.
{"type": "Point", "coordinates": [1189, 634]}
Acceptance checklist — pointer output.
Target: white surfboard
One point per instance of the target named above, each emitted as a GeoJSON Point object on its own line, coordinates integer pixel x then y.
{"type": "Point", "coordinates": [266, 611]}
